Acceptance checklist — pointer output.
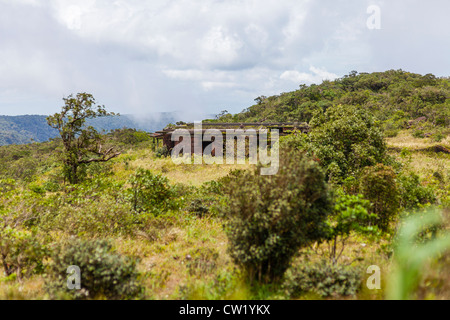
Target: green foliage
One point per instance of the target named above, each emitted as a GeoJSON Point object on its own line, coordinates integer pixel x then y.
{"type": "Point", "coordinates": [150, 192]}
{"type": "Point", "coordinates": [51, 186]}
{"type": "Point", "coordinates": [21, 252]}
{"type": "Point", "coordinates": [413, 194]}
{"type": "Point", "coordinates": [412, 255]}
{"type": "Point", "coordinates": [82, 145]}
{"type": "Point", "coordinates": [323, 280]}
{"type": "Point", "coordinates": [129, 137]}
{"type": "Point", "coordinates": [162, 152]}
{"type": "Point", "coordinates": [378, 184]}
{"type": "Point", "coordinates": [393, 97]}
{"type": "Point", "coordinates": [36, 188]}
{"type": "Point", "coordinates": [198, 207]}
{"type": "Point", "coordinates": [271, 217]}
{"type": "Point", "coordinates": [296, 141]}
{"type": "Point", "coordinates": [346, 139]}
{"type": "Point", "coordinates": [7, 185]}
{"type": "Point", "coordinates": [205, 201]}
{"type": "Point", "coordinates": [350, 215]}
{"type": "Point", "coordinates": [104, 273]}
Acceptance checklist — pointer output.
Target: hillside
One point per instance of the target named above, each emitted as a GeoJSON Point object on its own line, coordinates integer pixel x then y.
{"type": "Point", "coordinates": [395, 98]}
{"type": "Point", "coordinates": [28, 128]}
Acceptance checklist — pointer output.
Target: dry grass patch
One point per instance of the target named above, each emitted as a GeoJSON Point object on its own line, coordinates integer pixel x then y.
{"type": "Point", "coordinates": [405, 140]}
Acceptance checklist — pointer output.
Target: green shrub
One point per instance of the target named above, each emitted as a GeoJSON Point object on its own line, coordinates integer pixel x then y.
{"type": "Point", "coordinates": [413, 194]}
{"type": "Point", "coordinates": [51, 186]}
{"type": "Point", "coordinates": [418, 134]}
{"type": "Point", "coordinates": [350, 215]}
{"type": "Point", "coordinates": [351, 185]}
{"type": "Point", "coordinates": [295, 141]}
{"type": "Point", "coordinates": [271, 217]}
{"type": "Point", "coordinates": [21, 252]}
{"type": "Point", "coordinates": [162, 152]}
{"type": "Point", "coordinates": [438, 137]}
{"type": "Point", "coordinates": [7, 185]}
{"type": "Point", "coordinates": [323, 279]}
{"type": "Point", "coordinates": [378, 184]}
{"type": "Point", "coordinates": [129, 137]}
{"type": "Point", "coordinates": [150, 192]}
{"type": "Point", "coordinates": [198, 207]}
{"type": "Point", "coordinates": [104, 273]}
{"type": "Point", "coordinates": [36, 188]}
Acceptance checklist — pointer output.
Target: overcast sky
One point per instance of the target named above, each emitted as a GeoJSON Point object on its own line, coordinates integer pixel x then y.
{"type": "Point", "coordinates": [204, 56]}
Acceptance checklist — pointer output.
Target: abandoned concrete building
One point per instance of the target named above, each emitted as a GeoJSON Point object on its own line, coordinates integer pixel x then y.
{"type": "Point", "coordinates": [164, 137]}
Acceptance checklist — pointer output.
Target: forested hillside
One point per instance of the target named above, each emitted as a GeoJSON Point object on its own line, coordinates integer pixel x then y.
{"type": "Point", "coordinates": [394, 97]}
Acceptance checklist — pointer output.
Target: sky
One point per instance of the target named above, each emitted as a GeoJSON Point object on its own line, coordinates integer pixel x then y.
{"type": "Point", "coordinates": [200, 57]}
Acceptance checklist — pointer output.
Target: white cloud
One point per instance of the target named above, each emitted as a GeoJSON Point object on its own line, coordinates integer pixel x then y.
{"type": "Point", "coordinates": [207, 55]}
{"type": "Point", "coordinates": [220, 48]}
{"type": "Point", "coordinates": [316, 76]}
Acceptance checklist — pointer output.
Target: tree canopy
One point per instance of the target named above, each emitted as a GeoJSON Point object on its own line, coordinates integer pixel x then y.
{"type": "Point", "coordinates": [82, 144]}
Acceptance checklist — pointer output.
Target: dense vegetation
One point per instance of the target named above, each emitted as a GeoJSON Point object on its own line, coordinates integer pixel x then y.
{"type": "Point", "coordinates": [346, 198]}
{"type": "Point", "coordinates": [394, 98]}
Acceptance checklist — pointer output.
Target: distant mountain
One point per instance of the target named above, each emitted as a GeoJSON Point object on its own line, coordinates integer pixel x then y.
{"type": "Point", "coordinates": [34, 128]}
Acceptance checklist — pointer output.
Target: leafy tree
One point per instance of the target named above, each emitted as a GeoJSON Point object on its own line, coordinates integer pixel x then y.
{"type": "Point", "coordinates": [350, 214]}
{"type": "Point", "coordinates": [82, 145]}
{"type": "Point", "coordinates": [346, 139]}
{"type": "Point", "coordinates": [378, 184]}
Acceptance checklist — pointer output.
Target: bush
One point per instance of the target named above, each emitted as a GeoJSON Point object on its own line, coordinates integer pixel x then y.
{"type": "Point", "coordinates": [36, 188]}
{"type": "Point", "coordinates": [413, 194]}
{"type": "Point", "coordinates": [271, 217]}
{"type": "Point", "coordinates": [322, 279]}
{"type": "Point", "coordinates": [198, 207]}
{"type": "Point", "coordinates": [162, 152]}
{"type": "Point", "coordinates": [150, 192]}
{"type": "Point", "coordinates": [378, 184]}
{"type": "Point", "coordinates": [104, 273]}
{"type": "Point", "coordinates": [350, 214]}
{"type": "Point", "coordinates": [7, 185]}
{"type": "Point", "coordinates": [420, 134]}
{"type": "Point", "coordinates": [129, 137]}
{"type": "Point", "coordinates": [297, 141]}
{"type": "Point", "coordinates": [21, 252]}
